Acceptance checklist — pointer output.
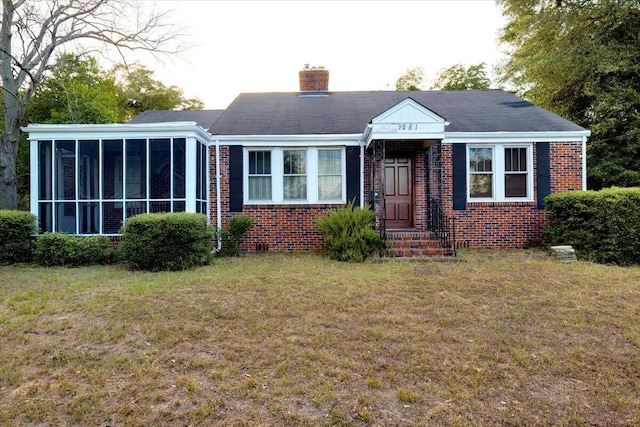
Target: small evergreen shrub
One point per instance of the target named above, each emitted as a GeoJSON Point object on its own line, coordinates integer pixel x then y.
{"type": "Point", "coordinates": [603, 226]}
{"type": "Point", "coordinates": [71, 250]}
{"type": "Point", "coordinates": [16, 236]}
{"type": "Point", "coordinates": [349, 233]}
{"type": "Point", "coordinates": [233, 235]}
{"type": "Point", "coordinates": [166, 241]}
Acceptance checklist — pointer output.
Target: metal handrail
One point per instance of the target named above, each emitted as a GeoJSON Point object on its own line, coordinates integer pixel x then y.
{"type": "Point", "coordinates": [442, 226]}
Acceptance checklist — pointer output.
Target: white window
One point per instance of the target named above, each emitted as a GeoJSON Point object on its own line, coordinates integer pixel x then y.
{"type": "Point", "coordinates": [260, 175]}
{"type": "Point", "coordinates": [295, 175]}
{"type": "Point", "coordinates": [330, 174]}
{"type": "Point", "coordinates": [500, 172]}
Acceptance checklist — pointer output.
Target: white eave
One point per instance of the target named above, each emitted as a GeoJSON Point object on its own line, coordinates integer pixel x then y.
{"type": "Point", "coordinates": [406, 120]}
{"type": "Point", "coordinates": [487, 137]}
{"type": "Point", "coordinates": [96, 131]}
{"type": "Point", "coordinates": [271, 140]}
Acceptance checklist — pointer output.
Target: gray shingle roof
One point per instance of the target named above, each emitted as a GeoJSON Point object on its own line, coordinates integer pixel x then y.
{"type": "Point", "coordinates": [204, 118]}
{"type": "Point", "coordinates": [349, 112]}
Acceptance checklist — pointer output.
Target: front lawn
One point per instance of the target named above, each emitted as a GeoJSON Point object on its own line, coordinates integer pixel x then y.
{"type": "Point", "coordinates": [497, 338]}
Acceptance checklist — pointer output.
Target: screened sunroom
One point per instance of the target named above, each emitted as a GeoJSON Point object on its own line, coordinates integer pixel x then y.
{"type": "Point", "coordinates": [89, 179]}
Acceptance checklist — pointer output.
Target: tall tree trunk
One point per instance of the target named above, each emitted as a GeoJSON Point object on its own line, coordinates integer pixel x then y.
{"type": "Point", "coordinates": [11, 104]}
{"type": "Point", "coordinates": [8, 156]}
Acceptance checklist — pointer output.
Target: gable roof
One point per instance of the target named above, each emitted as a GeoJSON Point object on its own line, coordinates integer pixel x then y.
{"type": "Point", "coordinates": [349, 112]}
{"type": "Point", "coordinates": [204, 118]}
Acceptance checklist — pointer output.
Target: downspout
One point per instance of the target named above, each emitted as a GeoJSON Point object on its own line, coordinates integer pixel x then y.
{"type": "Point", "coordinates": [218, 203]}
{"type": "Point", "coordinates": [584, 162]}
{"type": "Point", "coordinates": [362, 182]}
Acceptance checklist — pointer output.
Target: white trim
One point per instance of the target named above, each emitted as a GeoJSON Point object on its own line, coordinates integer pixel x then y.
{"type": "Point", "coordinates": [513, 137]}
{"type": "Point", "coordinates": [498, 173]}
{"type": "Point", "coordinates": [116, 131]}
{"type": "Point", "coordinates": [277, 175]}
{"type": "Point", "coordinates": [407, 119]}
{"type": "Point", "coordinates": [34, 164]}
{"type": "Point", "coordinates": [584, 162]}
{"type": "Point", "coordinates": [218, 198]}
{"type": "Point", "coordinates": [314, 140]}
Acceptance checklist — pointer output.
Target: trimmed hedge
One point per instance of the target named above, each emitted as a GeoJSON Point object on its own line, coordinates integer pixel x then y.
{"type": "Point", "coordinates": [349, 233]}
{"type": "Point", "coordinates": [16, 236]}
{"type": "Point", "coordinates": [166, 241]}
{"type": "Point", "coordinates": [72, 250]}
{"type": "Point", "coordinates": [603, 226]}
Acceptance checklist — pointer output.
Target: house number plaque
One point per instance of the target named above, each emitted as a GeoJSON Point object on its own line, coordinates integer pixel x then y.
{"type": "Point", "coordinates": [407, 126]}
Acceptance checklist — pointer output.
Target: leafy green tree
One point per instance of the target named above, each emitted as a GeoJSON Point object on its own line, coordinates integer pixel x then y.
{"type": "Point", "coordinates": [77, 91]}
{"type": "Point", "coordinates": [580, 59]}
{"type": "Point", "coordinates": [142, 92]}
{"type": "Point", "coordinates": [457, 77]}
{"type": "Point", "coordinates": [411, 80]}
{"type": "Point", "coordinates": [32, 32]}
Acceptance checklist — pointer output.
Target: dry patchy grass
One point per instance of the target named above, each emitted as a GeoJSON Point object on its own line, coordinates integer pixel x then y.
{"type": "Point", "coordinates": [496, 338]}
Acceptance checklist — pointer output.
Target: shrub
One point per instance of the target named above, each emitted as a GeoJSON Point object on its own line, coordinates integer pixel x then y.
{"type": "Point", "coordinates": [603, 226]}
{"type": "Point", "coordinates": [16, 231]}
{"type": "Point", "coordinates": [233, 235]}
{"type": "Point", "coordinates": [349, 233]}
{"type": "Point", "coordinates": [72, 250]}
{"type": "Point", "coordinates": [166, 241]}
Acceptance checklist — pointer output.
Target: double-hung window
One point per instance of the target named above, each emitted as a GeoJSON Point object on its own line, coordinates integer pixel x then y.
{"type": "Point", "coordinates": [329, 174]}
{"type": "Point", "coordinates": [260, 175]}
{"type": "Point", "coordinates": [515, 172]}
{"type": "Point", "coordinates": [295, 175]}
{"type": "Point", "coordinates": [500, 172]}
{"type": "Point", "coordinates": [481, 172]}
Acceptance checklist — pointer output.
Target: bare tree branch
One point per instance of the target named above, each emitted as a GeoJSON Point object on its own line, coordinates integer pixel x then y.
{"type": "Point", "coordinates": [33, 31]}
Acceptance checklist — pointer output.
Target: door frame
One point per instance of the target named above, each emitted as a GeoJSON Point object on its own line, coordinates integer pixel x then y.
{"type": "Point", "coordinates": [411, 156]}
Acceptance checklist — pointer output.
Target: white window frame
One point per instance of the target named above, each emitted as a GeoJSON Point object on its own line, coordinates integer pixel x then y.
{"type": "Point", "coordinates": [277, 175]}
{"type": "Point", "coordinates": [499, 172]}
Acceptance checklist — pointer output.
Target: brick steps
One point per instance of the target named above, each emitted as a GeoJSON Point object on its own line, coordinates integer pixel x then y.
{"type": "Point", "coordinates": [415, 244]}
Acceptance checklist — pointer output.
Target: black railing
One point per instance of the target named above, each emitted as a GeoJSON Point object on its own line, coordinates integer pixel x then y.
{"type": "Point", "coordinates": [442, 226]}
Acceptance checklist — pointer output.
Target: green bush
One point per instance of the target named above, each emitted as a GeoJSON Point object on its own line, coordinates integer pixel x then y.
{"type": "Point", "coordinates": [603, 226]}
{"type": "Point", "coordinates": [233, 235]}
{"type": "Point", "coordinates": [72, 250]}
{"type": "Point", "coordinates": [349, 233]}
{"type": "Point", "coordinates": [16, 236]}
{"type": "Point", "coordinates": [166, 241]}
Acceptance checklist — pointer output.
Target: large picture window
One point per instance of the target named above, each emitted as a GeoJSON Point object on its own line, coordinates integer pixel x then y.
{"type": "Point", "coordinates": [300, 175]}
{"type": "Point", "coordinates": [500, 172]}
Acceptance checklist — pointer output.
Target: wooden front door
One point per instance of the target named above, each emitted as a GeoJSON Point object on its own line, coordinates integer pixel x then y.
{"type": "Point", "coordinates": [398, 192]}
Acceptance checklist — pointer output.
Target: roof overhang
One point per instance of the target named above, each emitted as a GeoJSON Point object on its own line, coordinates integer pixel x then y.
{"type": "Point", "coordinates": [293, 140]}
{"type": "Point", "coordinates": [488, 137]}
{"type": "Point", "coordinates": [146, 130]}
{"type": "Point", "coordinates": [406, 120]}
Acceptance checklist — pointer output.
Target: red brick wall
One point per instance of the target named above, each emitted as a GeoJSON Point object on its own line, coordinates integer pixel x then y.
{"type": "Point", "coordinates": [277, 227]}
{"type": "Point", "coordinates": [512, 224]}
{"type": "Point", "coordinates": [482, 225]}
{"type": "Point", "coordinates": [284, 227]}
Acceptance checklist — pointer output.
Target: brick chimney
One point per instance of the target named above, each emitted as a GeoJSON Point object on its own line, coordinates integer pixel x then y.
{"type": "Point", "coordinates": [314, 79]}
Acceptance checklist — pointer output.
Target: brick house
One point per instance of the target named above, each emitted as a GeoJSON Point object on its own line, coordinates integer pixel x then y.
{"type": "Point", "coordinates": [469, 168]}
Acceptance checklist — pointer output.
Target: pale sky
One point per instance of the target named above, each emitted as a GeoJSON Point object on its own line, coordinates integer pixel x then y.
{"type": "Point", "coordinates": [259, 46]}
